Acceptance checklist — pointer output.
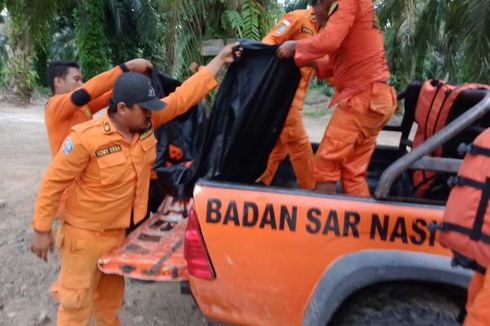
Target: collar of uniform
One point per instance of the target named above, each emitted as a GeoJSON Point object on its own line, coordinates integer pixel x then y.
{"type": "Point", "coordinates": [107, 125]}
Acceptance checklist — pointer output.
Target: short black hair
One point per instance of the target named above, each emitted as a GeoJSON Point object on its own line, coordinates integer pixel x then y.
{"type": "Point", "coordinates": [112, 106]}
{"type": "Point", "coordinates": [59, 69]}
{"type": "Point", "coordinates": [313, 2]}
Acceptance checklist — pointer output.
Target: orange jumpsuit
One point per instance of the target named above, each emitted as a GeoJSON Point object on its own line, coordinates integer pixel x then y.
{"type": "Point", "coordinates": [478, 313]}
{"type": "Point", "coordinates": [295, 25]}
{"type": "Point", "coordinates": [61, 113]}
{"type": "Point", "coordinates": [110, 178]}
{"type": "Point", "coordinates": [353, 39]}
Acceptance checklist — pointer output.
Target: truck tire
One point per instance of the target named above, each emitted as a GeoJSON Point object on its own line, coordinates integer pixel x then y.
{"type": "Point", "coordinates": [401, 305]}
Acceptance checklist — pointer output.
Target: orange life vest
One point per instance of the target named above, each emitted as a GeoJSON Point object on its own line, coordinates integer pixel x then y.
{"type": "Point", "coordinates": [434, 105]}
{"type": "Point", "coordinates": [466, 223]}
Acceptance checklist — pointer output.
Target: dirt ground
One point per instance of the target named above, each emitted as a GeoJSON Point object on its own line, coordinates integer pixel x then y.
{"type": "Point", "coordinates": [25, 279]}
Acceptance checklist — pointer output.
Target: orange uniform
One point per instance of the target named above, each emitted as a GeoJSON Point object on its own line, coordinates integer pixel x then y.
{"type": "Point", "coordinates": [110, 178]}
{"type": "Point", "coordinates": [295, 25]}
{"type": "Point", "coordinates": [477, 303]}
{"type": "Point", "coordinates": [62, 113]}
{"type": "Point", "coordinates": [353, 39]}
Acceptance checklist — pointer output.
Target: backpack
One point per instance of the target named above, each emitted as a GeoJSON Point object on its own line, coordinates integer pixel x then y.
{"type": "Point", "coordinates": [466, 223]}
{"type": "Point", "coordinates": [437, 105]}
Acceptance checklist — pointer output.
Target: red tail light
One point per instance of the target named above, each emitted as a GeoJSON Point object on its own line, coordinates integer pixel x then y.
{"type": "Point", "coordinates": [195, 252]}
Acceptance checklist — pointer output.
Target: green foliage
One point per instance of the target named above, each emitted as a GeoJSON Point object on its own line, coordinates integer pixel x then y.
{"type": "Point", "coordinates": [321, 86]}
{"type": "Point", "coordinates": [63, 45]}
{"type": "Point", "coordinates": [135, 30]}
{"type": "Point", "coordinates": [437, 39]}
{"type": "Point", "coordinates": [254, 18]}
{"type": "Point", "coordinates": [19, 76]}
{"type": "Point", "coordinates": [187, 27]}
{"type": "Point", "coordinates": [236, 21]}
{"type": "Point", "coordinates": [90, 38]}
{"type": "Point", "coordinates": [423, 38]}
{"type": "Point", "coordinates": [290, 5]}
{"type": "Point", "coordinates": [250, 14]}
{"type": "Point", "coordinates": [3, 52]}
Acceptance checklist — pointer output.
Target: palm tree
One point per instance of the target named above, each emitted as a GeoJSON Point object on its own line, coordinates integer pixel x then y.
{"type": "Point", "coordinates": [31, 27]}
{"type": "Point", "coordinates": [437, 39]}
{"type": "Point", "coordinates": [28, 21]}
{"type": "Point", "coordinates": [187, 24]}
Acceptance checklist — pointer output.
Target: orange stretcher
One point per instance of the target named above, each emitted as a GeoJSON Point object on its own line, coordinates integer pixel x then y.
{"type": "Point", "coordinates": [155, 250]}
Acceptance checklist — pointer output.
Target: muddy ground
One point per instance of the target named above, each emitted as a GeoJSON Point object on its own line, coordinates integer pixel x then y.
{"type": "Point", "coordinates": [25, 279]}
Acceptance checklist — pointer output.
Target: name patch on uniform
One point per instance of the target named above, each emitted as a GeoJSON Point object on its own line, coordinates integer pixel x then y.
{"type": "Point", "coordinates": [146, 134]}
{"type": "Point", "coordinates": [306, 30]}
{"type": "Point", "coordinates": [108, 150]}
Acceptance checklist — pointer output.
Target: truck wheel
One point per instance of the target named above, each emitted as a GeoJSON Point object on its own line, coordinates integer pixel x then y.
{"type": "Point", "coordinates": [401, 305]}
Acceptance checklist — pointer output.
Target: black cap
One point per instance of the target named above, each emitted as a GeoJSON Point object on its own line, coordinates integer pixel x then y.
{"type": "Point", "coordinates": [134, 88]}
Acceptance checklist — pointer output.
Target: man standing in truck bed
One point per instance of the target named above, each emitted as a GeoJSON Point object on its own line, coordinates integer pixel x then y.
{"type": "Point", "coordinates": [108, 161]}
{"type": "Point", "coordinates": [353, 39]}
{"type": "Point", "coordinates": [295, 25]}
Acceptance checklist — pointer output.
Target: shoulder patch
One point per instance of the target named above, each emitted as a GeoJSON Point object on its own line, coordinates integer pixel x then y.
{"type": "Point", "coordinates": [281, 29]}
{"type": "Point", "coordinates": [146, 134]}
{"type": "Point", "coordinates": [67, 146]}
{"type": "Point", "coordinates": [108, 150]}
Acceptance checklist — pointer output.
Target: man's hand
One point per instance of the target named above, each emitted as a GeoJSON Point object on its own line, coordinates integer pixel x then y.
{"type": "Point", "coordinates": [139, 65]}
{"type": "Point", "coordinates": [286, 50]}
{"type": "Point", "coordinates": [41, 243]}
{"type": "Point", "coordinates": [194, 67]}
{"type": "Point", "coordinates": [227, 55]}
{"type": "Point", "coordinates": [230, 52]}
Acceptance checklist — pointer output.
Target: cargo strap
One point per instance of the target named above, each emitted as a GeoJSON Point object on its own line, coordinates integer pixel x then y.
{"type": "Point", "coordinates": [473, 150]}
{"type": "Point", "coordinates": [476, 232]}
{"type": "Point", "coordinates": [450, 227]}
{"type": "Point", "coordinates": [466, 262]}
{"type": "Point", "coordinates": [463, 181]}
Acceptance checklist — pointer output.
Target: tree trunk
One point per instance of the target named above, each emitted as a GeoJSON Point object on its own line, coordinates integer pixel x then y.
{"type": "Point", "coordinates": [90, 37]}
{"type": "Point", "coordinates": [170, 40]}
{"type": "Point", "coordinates": [19, 76]}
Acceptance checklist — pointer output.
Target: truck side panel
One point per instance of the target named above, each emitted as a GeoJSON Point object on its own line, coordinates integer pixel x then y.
{"type": "Point", "coordinates": [270, 247]}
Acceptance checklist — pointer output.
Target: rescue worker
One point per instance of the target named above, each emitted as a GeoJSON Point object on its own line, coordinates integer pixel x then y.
{"type": "Point", "coordinates": [353, 40]}
{"type": "Point", "coordinates": [108, 160]}
{"type": "Point", "coordinates": [295, 25]}
{"type": "Point", "coordinates": [477, 302]}
{"type": "Point", "coordinates": [74, 102]}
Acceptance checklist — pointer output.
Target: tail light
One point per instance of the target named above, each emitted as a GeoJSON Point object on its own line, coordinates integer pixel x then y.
{"type": "Point", "coordinates": [195, 252]}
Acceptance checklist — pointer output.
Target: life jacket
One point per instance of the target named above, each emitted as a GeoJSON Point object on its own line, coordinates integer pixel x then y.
{"type": "Point", "coordinates": [434, 105]}
{"type": "Point", "coordinates": [466, 223]}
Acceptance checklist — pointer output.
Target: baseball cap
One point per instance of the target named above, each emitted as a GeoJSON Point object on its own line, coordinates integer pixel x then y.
{"type": "Point", "coordinates": [134, 88]}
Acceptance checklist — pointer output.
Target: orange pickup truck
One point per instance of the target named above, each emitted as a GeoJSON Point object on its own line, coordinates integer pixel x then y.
{"type": "Point", "coordinates": [279, 256]}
